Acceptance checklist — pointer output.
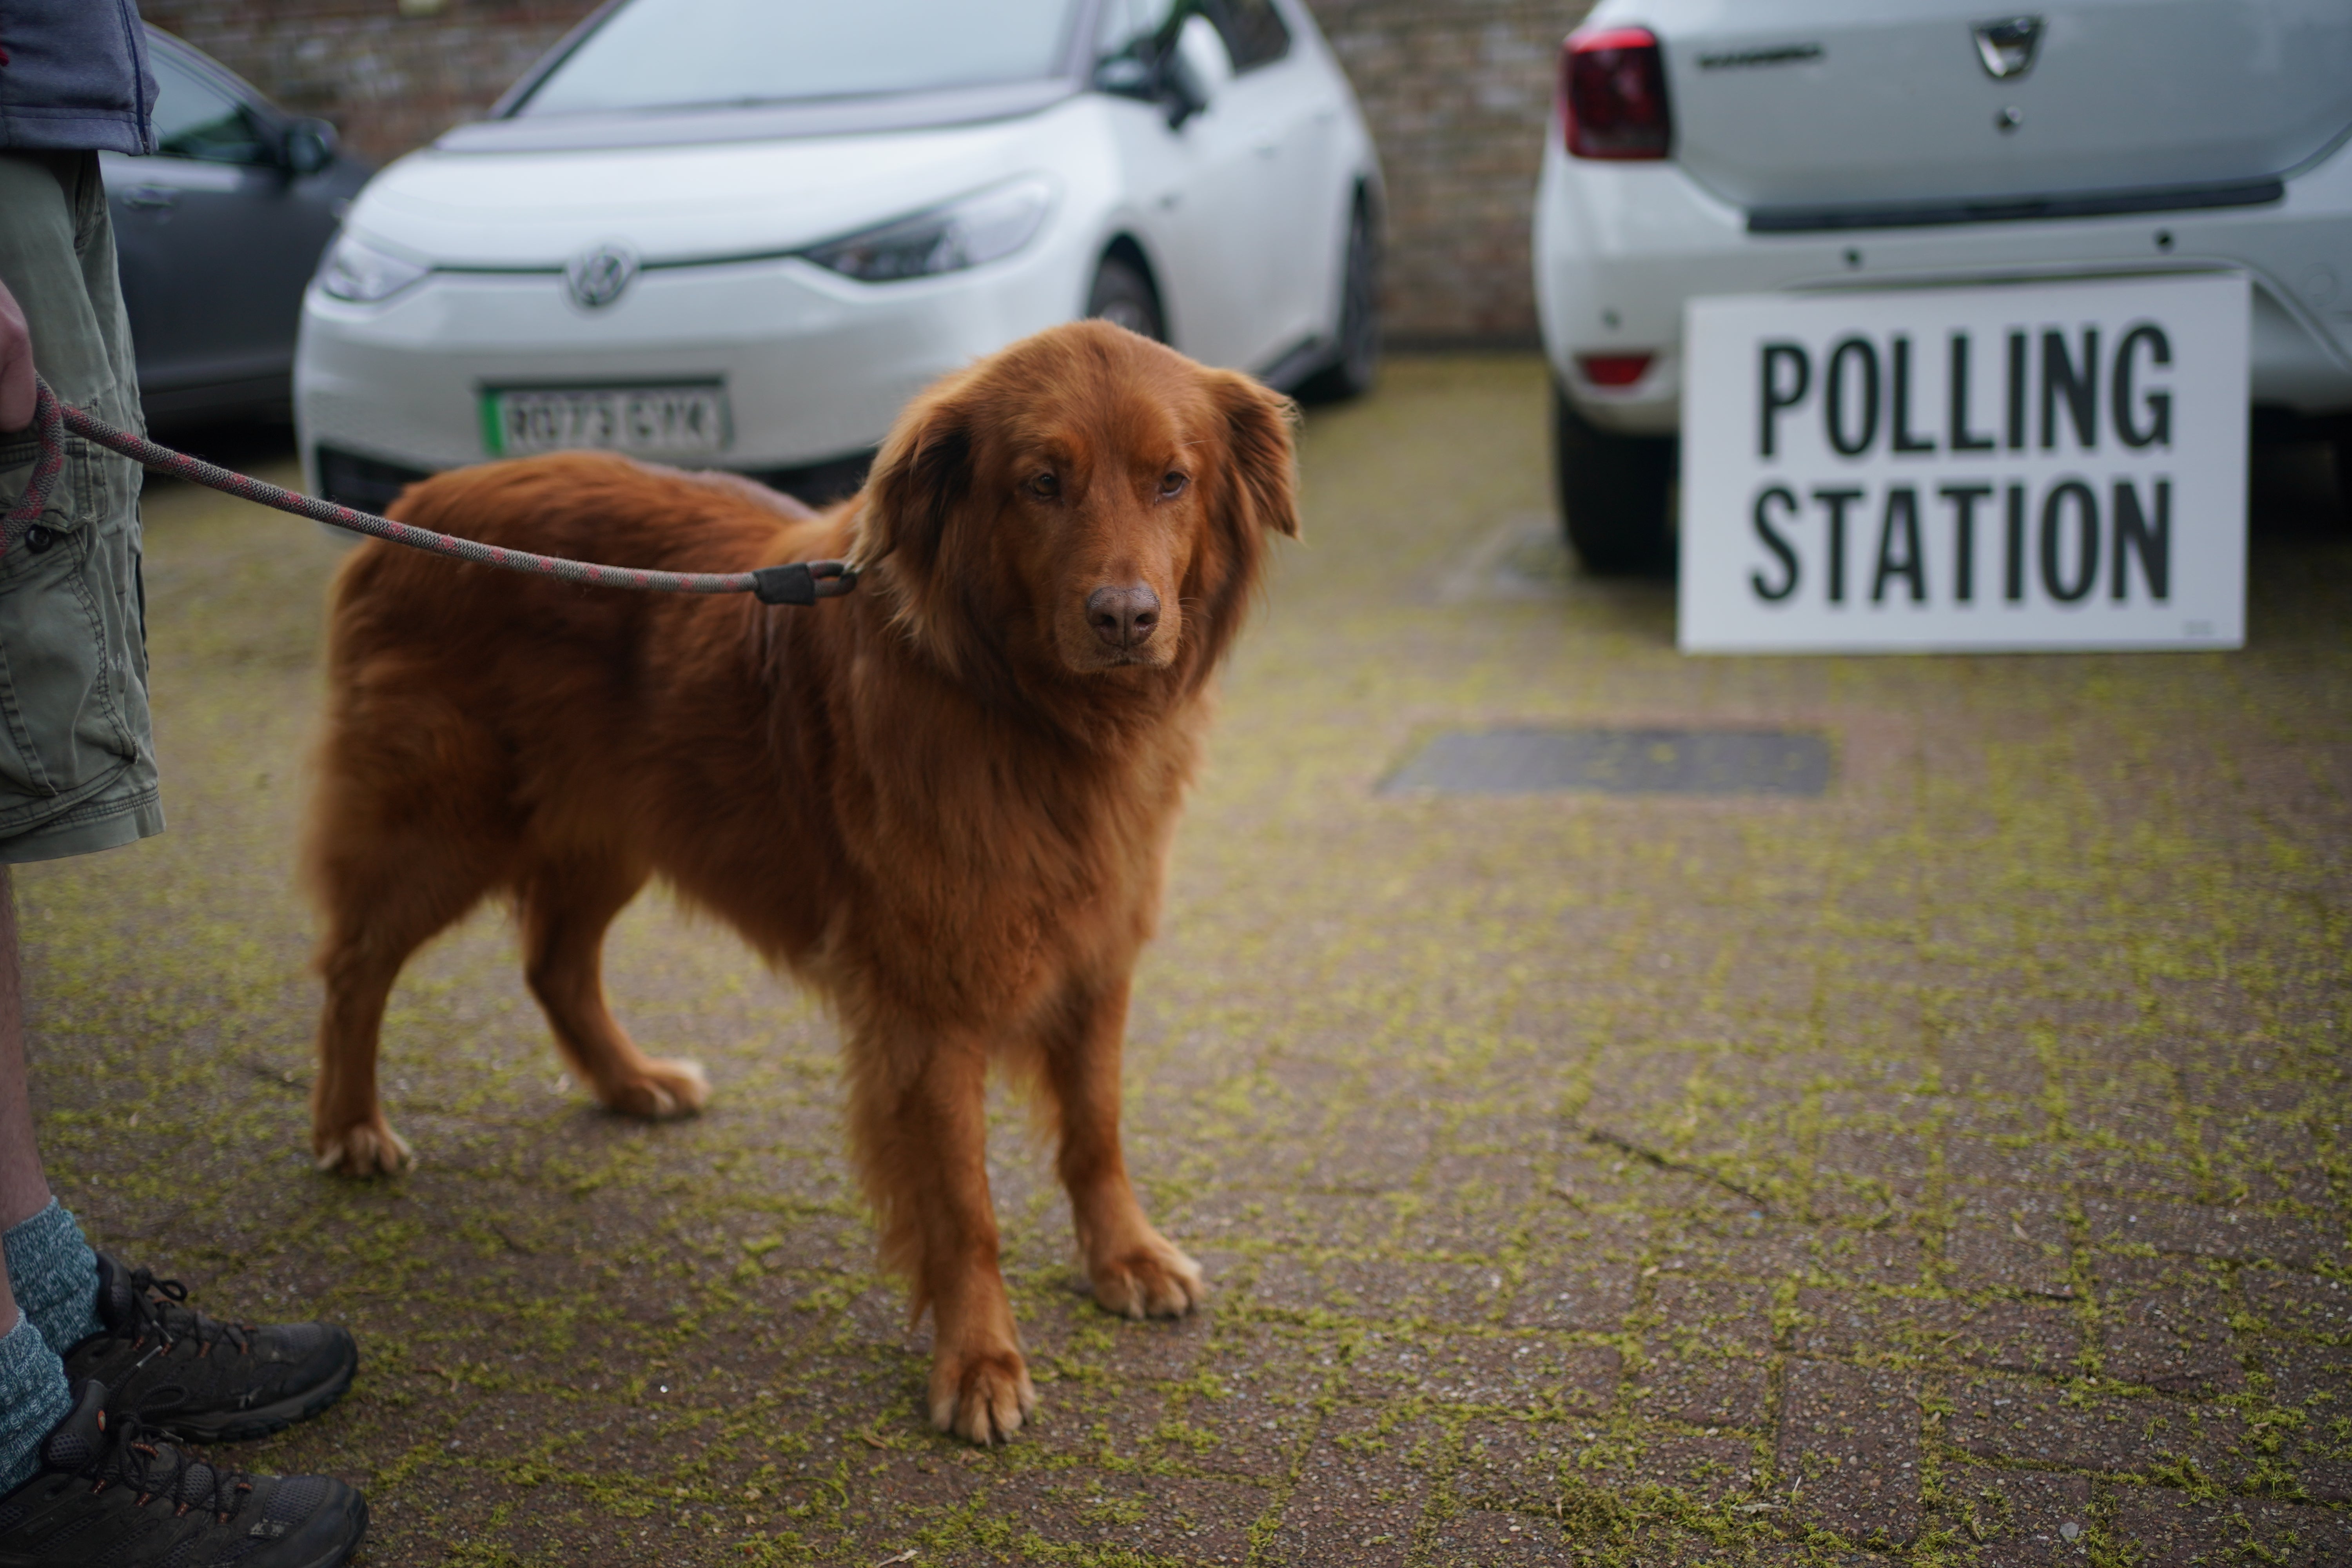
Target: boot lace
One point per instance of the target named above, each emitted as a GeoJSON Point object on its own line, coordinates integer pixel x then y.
{"type": "Point", "coordinates": [159, 1303]}
{"type": "Point", "coordinates": [133, 1457]}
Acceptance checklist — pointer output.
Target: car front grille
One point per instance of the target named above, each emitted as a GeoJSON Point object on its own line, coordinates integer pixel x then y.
{"type": "Point", "coordinates": [820, 484]}
{"type": "Point", "coordinates": [365, 484]}
{"type": "Point", "coordinates": [370, 484]}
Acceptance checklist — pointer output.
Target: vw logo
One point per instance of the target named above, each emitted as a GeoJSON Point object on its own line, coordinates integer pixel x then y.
{"type": "Point", "coordinates": [2007, 47]}
{"type": "Point", "coordinates": [598, 277]}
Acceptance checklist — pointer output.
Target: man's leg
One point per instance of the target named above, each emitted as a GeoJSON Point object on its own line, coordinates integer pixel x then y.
{"type": "Point", "coordinates": [33, 1398]}
{"type": "Point", "coordinates": [78, 774]}
{"type": "Point", "coordinates": [24, 1189]}
{"type": "Point", "coordinates": [32, 1395]}
{"type": "Point", "coordinates": [111, 1323]}
{"type": "Point", "coordinates": [52, 1271]}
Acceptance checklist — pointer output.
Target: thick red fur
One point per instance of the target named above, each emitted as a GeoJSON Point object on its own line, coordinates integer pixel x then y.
{"type": "Point", "coordinates": [945, 801]}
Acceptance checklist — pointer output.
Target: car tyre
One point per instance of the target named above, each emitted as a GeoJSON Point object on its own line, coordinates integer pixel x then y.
{"type": "Point", "coordinates": [1613, 492]}
{"type": "Point", "coordinates": [1123, 296]}
{"type": "Point", "coordinates": [1352, 374]}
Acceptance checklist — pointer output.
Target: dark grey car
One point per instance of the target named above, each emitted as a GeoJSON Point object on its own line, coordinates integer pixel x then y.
{"type": "Point", "coordinates": [218, 234]}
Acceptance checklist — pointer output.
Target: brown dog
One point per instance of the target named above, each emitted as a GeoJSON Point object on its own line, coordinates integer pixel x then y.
{"type": "Point", "coordinates": [945, 800]}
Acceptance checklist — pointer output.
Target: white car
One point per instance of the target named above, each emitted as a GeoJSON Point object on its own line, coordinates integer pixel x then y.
{"type": "Point", "coordinates": [740, 233]}
{"type": "Point", "coordinates": [1702, 148]}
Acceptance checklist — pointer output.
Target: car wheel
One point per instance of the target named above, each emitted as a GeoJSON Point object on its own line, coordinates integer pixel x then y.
{"type": "Point", "coordinates": [1613, 493]}
{"type": "Point", "coordinates": [1352, 374]}
{"type": "Point", "coordinates": [1123, 296]}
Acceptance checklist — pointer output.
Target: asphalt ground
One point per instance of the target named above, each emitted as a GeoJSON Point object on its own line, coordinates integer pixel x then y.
{"type": "Point", "coordinates": [1947, 1167]}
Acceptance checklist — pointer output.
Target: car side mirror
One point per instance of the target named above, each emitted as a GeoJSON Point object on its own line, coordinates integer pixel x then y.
{"type": "Point", "coordinates": [1195, 70]}
{"type": "Point", "coordinates": [307, 147]}
{"type": "Point", "coordinates": [1127, 76]}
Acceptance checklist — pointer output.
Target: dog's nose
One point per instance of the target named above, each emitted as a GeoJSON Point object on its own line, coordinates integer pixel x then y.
{"type": "Point", "coordinates": [1123, 618]}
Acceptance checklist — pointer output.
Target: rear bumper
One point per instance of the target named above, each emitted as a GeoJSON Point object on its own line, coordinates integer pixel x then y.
{"type": "Point", "coordinates": [1620, 247]}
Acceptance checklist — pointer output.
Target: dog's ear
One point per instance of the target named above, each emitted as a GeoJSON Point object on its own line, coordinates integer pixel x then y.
{"type": "Point", "coordinates": [1258, 424]}
{"type": "Point", "coordinates": [922, 473]}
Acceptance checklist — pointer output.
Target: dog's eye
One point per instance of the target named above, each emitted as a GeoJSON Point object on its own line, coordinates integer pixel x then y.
{"type": "Point", "coordinates": [1045, 487]}
{"type": "Point", "coordinates": [1171, 485]}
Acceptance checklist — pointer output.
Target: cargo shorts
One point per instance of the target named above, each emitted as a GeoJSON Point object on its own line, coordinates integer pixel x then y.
{"type": "Point", "coordinates": [77, 751]}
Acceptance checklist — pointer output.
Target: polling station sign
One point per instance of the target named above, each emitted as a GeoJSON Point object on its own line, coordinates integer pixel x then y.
{"type": "Point", "coordinates": [2033, 466]}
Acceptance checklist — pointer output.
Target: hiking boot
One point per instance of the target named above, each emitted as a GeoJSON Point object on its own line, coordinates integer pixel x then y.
{"type": "Point", "coordinates": [110, 1491]}
{"type": "Point", "coordinates": [193, 1377]}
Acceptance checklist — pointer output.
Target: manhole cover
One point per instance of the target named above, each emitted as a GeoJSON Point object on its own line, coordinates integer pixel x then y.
{"type": "Point", "coordinates": [1621, 762]}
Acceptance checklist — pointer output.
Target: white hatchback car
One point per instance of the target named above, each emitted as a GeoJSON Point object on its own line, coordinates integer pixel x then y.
{"type": "Point", "coordinates": [741, 233]}
{"type": "Point", "coordinates": [1701, 148]}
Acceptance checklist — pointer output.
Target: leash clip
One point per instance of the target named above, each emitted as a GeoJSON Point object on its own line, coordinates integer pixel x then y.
{"type": "Point", "coordinates": [802, 582]}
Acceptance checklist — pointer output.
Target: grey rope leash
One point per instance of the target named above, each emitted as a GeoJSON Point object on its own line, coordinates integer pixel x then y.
{"type": "Point", "coordinates": [794, 583]}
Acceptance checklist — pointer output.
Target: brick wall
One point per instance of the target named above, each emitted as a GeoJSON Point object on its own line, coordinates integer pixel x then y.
{"type": "Point", "coordinates": [391, 74]}
{"type": "Point", "coordinates": [1457, 92]}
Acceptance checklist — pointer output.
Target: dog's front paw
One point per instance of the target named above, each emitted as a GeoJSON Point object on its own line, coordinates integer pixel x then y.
{"type": "Point", "coordinates": [665, 1088]}
{"type": "Point", "coordinates": [369, 1148]}
{"type": "Point", "coordinates": [980, 1396]}
{"type": "Point", "coordinates": [1152, 1281]}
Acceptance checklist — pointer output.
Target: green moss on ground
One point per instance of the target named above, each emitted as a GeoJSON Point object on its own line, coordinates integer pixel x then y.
{"type": "Point", "coordinates": [2009, 1071]}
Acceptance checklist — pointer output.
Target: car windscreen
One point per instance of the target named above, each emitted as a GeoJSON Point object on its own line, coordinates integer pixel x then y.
{"type": "Point", "coordinates": [696, 54]}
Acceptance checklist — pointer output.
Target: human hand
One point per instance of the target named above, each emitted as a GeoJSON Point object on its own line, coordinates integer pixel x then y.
{"type": "Point", "coordinates": [16, 365]}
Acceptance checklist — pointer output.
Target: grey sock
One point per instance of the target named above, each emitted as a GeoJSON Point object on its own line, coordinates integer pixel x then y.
{"type": "Point", "coordinates": [55, 1276]}
{"type": "Point", "coordinates": [33, 1400]}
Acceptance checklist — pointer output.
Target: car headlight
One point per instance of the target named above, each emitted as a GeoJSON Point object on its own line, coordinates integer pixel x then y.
{"type": "Point", "coordinates": [357, 271]}
{"type": "Point", "coordinates": [981, 228]}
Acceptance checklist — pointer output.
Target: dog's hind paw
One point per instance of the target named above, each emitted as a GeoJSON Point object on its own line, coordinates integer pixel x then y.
{"type": "Point", "coordinates": [664, 1090]}
{"type": "Point", "coordinates": [981, 1398]}
{"type": "Point", "coordinates": [364, 1149]}
{"type": "Point", "coordinates": [1154, 1281]}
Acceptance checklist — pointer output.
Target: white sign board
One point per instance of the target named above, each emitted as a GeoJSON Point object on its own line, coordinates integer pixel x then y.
{"type": "Point", "coordinates": [2019, 467]}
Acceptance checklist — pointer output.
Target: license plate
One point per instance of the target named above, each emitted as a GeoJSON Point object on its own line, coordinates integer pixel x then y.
{"type": "Point", "coordinates": [655, 421]}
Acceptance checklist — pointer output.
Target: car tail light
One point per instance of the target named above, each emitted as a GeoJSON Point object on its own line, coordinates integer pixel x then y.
{"type": "Point", "coordinates": [1612, 90]}
{"type": "Point", "coordinates": [1613, 369]}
